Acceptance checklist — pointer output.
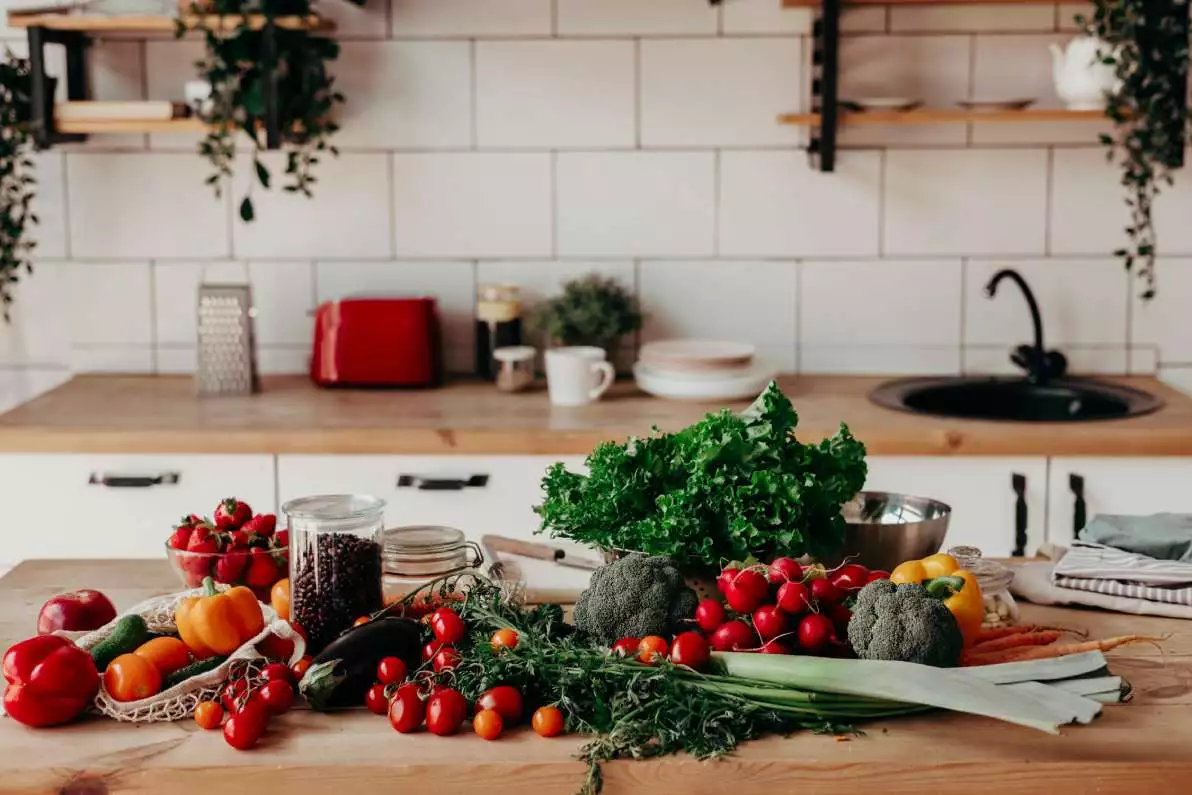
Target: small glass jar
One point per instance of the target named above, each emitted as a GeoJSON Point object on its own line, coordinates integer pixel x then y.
{"type": "Point", "coordinates": [515, 367]}
{"type": "Point", "coordinates": [335, 562]}
{"type": "Point", "coordinates": [1000, 608]}
{"type": "Point", "coordinates": [498, 324]}
{"type": "Point", "coordinates": [416, 555]}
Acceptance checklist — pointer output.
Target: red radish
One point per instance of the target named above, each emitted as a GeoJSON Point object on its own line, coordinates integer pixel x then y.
{"type": "Point", "coordinates": [726, 577]}
{"type": "Point", "coordinates": [825, 592]}
{"type": "Point", "coordinates": [709, 615]}
{"type": "Point", "coordinates": [774, 647]}
{"type": "Point", "coordinates": [746, 592]}
{"type": "Point", "coordinates": [877, 574]}
{"type": "Point", "coordinates": [733, 636]}
{"type": "Point", "coordinates": [625, 647]}
{"type": "Point", "coordinates": [690, 649]}
{"type": "Point", "coordinates": [850, 577]}
{"type": "Point", "coordinates": [793, 597]}
{"type": "Point", "coordinates": [840, 616]}
{"type": "Point", "coordinates": [785, 570]}
{"type": "Point", "coordinates": [815, 632]}
{"type": "Point", "coordinates": [770, 622]}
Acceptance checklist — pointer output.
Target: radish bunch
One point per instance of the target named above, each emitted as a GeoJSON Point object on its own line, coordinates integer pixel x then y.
{"type": "Point", "coordinates": [783, 608]}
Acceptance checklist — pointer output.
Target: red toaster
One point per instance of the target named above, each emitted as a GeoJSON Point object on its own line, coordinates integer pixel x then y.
{"type": "Point", "coordinates": [377, 342]}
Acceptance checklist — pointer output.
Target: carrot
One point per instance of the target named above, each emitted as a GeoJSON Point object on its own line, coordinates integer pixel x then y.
{"type": "Point", "coordinates": [1019, 639]}
{"type": "Point", "coordinates": [993, 633]}
{"type": "Point", "coordinates": [1019, 653]}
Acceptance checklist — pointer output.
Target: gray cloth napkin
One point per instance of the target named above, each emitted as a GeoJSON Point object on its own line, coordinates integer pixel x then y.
{"type": "Point", "coordinates": [1166, 536]}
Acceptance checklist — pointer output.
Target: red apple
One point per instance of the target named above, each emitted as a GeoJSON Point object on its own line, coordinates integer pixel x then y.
{"type": "Point", "coordinates": [76, 611]}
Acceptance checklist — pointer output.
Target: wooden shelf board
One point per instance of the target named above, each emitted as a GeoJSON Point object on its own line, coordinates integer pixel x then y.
{"type": "Point", "coordinates": [92, 23]}
{"type": "Point", "coordinates": [101, 126]}
{"type": "Point", "coordinates": [816, 3]}
{"type": "Point", "coordinates": [947, 116]}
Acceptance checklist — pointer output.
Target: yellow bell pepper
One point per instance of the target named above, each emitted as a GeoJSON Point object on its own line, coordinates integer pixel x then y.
{"type": "Point", "coordinates": [942, 576]}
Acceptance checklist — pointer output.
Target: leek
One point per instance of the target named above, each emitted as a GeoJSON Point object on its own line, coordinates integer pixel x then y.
{"type": "Point", "coordinates": [1065, 667]}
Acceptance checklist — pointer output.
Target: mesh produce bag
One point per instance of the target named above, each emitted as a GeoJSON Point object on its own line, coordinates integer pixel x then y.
{"type": "Point", "coordinates": [180, 701]}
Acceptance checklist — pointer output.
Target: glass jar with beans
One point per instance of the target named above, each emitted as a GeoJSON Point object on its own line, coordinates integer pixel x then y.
{"type": "Point", "coordinates": [335, 562]}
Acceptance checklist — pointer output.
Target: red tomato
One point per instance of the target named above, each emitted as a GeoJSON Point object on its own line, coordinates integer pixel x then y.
{"type": "Point", "coordinates": [391, 670]}
{"type": "Point", "coordinates": [407, 710]}
{"type": "Point", "coordinates": [375, 700]}
{"type": "Point", "coordinates": [625, 647]}
{"type": "Point", "coordinates": [709, 615]}
{"type": "Point", "coordinates": [770, 622]}
{"type": "Point", "coordinates": [208, 715]}
{"type": "Point", "coordinates": [445, 659]}
{"type": "Point", "coordinates": [278, 696]}
{"type": "Point", "coordinates": [850, 577]}
{"type": "Point", "coordinates": [445, 712]}
{"type": "Point", "coordinates": [652, 648]}
{"type": "Point", "coordinates": [690, 649]}
{"type": "Point", "coordinates": [431, 649]}
{"type": "Point", "coordinates": [548, 721]}
{"type": "Point", "coordinates": [447, 625]}
{"type": "Point", "coordinates": [504, 639]}
{"type": "Point", "coordinates": [793, 597]}
{"type": "Point", "coordinates": [825, 592]}
{"type": "Point", "coordinates": [300, 668]}
{"type": "Point", "coordinates": [504, 700]}
{"type": "Point", "coordinates": [245, 727]}
{"type": "Point", "coordinates": [488, 724]}
{"type": "Point", "coordinates": [276, 672]}
{"type": "Point", "coordinates": [232, 694]}
{"type": "Point", "coordinates": [784, 570]}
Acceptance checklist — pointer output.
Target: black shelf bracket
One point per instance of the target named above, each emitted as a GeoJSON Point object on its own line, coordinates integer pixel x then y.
{"type": "Point", "coordinates": [272, 102]}
{"type": "Point", "coordinates": [42, 87]}
{"type": "Point", "coordinates": [825, 64]}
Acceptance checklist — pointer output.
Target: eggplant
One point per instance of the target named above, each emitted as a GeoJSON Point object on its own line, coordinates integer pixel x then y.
{"type": "Point", "coordinates": [341, 674]}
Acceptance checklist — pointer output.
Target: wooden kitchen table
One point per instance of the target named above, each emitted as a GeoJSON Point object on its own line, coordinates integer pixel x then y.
{"type": "Point", "coordinates": [1141, 747]}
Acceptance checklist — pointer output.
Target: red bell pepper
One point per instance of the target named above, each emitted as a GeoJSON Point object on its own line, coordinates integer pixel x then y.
{"type": "Point", "coordinates": [50, 681]}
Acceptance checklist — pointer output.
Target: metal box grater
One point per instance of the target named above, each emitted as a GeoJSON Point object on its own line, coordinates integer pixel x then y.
{"type": "Point", "coordinates": [227, 344]}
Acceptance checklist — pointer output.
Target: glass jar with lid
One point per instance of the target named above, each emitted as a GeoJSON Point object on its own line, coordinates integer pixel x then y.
{"type": "Point", "coordinates": [994, 579]}
{"type": "Point", "coordinates": [335, 562]}
{"type": "Point", "coordinates": [419, 554]}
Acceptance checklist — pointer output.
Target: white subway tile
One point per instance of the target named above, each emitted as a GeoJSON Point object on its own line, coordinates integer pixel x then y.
{"type": "Point", "coordinates": [112, 359]}
{"type": "Point", "coordinates": [976, 201]}
{"type": "Point", "coordinates": [649, 204]}
{"type": "Point", "coordinates": [975, 18]}
{"type": "Point", "coordinates": [1143, 360]}
{"type": "Point", "coordinates": [1177, 377]}
{"type": "Point", "coordinates": [368, 20]}
{"type": "Point", "coordinates": [49, 205]}
{"type": "Point", "coordinates": [1089, 213]}
{"type": "Point", "coordinates": [934, 69]}
{"type": "Point", "coordinates": [1082, 359]}
{"type": "Point", "coordinates": [183, 360]}
{"type": "Point", "coordinates": [776, 204]}
{"type": "Point", "coordinates": [720, 92]}
{"type": "Point", "coordinates": [770, 18]}
{"type": "Point", "coordinates": [452, 284]}
{"type": "Point", "coordinates": [472, 205]}
{"type": "Point", "coordinates": [39, 331]}
{"type": "Point", "coordinates": [348, 216]}
{"type": "Point", "coordinates": [470, 18]}
{"type": "Point", "coordinates": [1163, 320]}
{"type": "Point", "coordinates": [283, 294]}
{"type": "Point", "coordinates": [868, 316]}
{"type": "Point", "coordinates": [565, 94]}
{"type": "Point", "coordinates": [635, 18]}
{"type": "Point", "coordinates": [404, 94]}
{"type": "Point", "coordinates": [109, 303]}
{"type": "Point", "coordinates": [144, 205]}
{"type": "Point", "coordinates": [754, 302]}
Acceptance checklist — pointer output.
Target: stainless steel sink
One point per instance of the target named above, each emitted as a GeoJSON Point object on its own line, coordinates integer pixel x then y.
{"type": "Point", "coordinates": [1015, 399]}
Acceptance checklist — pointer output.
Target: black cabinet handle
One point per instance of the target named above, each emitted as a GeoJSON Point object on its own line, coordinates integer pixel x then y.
{"type": "Point", "coordinates": [1018, 483]}
{"type": "Point", "coordinates": [1080, 508]}
{"type": "Point", "coordinates": [134, 481]}
{"type": "Point", "coordinates": [423, 483]}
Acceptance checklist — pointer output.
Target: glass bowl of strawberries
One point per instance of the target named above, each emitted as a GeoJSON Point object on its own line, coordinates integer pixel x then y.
{"type": "Point", "coordinates": [234, 547]}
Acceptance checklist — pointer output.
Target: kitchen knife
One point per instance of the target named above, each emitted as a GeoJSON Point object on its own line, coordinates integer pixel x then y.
{"type": "Point", "coordinates": [530, 549]}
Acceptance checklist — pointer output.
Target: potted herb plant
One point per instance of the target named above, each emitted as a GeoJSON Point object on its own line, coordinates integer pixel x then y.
{"type": "Point", "coordinates": [16, 175]}
{"type": "Point", "coordinates": [592, 310]}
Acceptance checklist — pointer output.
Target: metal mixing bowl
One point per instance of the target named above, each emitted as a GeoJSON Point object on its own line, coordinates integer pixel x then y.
{"type": "Point", "coordinates": [884, 528]}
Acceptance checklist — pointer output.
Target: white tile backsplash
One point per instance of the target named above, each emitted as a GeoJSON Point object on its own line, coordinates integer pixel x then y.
{"type": "Point", "coordinates": [470, 18]}
{"type": "Point", "coordinates": [982, 17]}
{"type": "Point", "coordinates": [49, 205]}
{"type": "Point", "coordinates": [635, 18]}
{"type": "Point", "coordinates": [1163, 321]}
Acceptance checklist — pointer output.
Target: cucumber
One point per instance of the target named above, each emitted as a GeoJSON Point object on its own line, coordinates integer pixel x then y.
{"type": "Point", "coordinates": [128, 635]}
{"type": "Point", "coordinates": [194, 669]}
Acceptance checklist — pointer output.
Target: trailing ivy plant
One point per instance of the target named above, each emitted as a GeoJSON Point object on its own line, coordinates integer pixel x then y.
{"type": "Point", "coordinates": [16, 175]}
{"type": "Point", "coordinates": [1147, 45]}
{"type": "Point", "coordinates": [238, 63]}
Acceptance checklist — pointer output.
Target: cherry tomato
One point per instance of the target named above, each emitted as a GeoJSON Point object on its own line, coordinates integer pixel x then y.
{"type": "Point", "coordinates": [245, 727]}
{"type": "Point", "coordinates": [548, 721]}
{"type": "Point", "coordinates": [277, 672]}
{"type": "Point", "coordinates": [625, 647]}
{"type": "Point", "coordinates": [131, 678]}
{"type": "Point", "coordinates": [504, 700]}
{"type": "Point", "coordinates": [375, 700]}
{"type": "Point", "coordinates": [504, 639]}
{"type": "Point", "coordinates": [690, 649]}
{"type": "Point", "coordinates": [431, 649]}
{"type": "Point", "coordinates": [488, 724]}
{"type": "Point", "coordinates": [407, 710]}
{"type": "Point", "coordinates": [391, 670]}
{"type": "Point", "coordinates": [209, 715]}
{"type": "Point", "coordinates": [233, 693]}
{"type": "Point", "coordinates": [652, 648]}
{"type": "Point", "coordinates": [445, 712]}
{"type": "Point", "coordinates": [709, 615]}
{"type": "Point", "coordinates": [300, 668]}
{"type": "Point", "coordinates": [277, 696]}
{"type": "Point", "coordinates": [361, 621]}
{"type": "Point", "coordinates": [445, 659]}
{"type": "Point", "coordinates": [447, 625]}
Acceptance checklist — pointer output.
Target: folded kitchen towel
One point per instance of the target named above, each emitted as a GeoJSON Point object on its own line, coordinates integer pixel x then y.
{"type": "Point", "coordinates": [1087, 561]}
{"type": "Point", "coordinates": [1165, 536]}
{"type": "Point", "coordinates": [1033, 582]}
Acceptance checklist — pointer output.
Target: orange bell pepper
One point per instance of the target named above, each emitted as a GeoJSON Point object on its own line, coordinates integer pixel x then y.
{"type": "Point", "coordinates": [218, 623]}
{"type": "Point", "coordinates": [956, 587]}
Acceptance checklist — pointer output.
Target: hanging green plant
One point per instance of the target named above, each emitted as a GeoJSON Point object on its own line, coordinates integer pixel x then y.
{"type": "Point", "coordinates": [16, 175]}
{"type": "Point", "coordinates": [1147, 45]}
{"type": "Point", "coordinates": [239, 62]}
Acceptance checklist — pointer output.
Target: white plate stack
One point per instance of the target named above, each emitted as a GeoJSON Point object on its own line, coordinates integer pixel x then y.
{"type": "Point", "coordinates": [701, 370]}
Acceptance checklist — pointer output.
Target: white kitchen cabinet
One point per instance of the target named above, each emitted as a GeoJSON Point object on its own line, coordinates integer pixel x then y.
{"type": "Point", "coordinates": [1115, 486]}
{"type": "Point", "coordinates": [117, 506]}
{"type": "Point", "coordinates": [985, 505]}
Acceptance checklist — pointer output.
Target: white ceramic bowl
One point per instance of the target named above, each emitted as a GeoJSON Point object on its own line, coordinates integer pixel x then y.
{"type": "Point", "coordinates": [743, 384]}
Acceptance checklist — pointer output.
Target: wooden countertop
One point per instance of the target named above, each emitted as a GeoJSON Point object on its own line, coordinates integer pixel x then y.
{"type": "Point", "coordinates": [1135, 748]}
{"type": "Point", "coordinates": [161, 414]}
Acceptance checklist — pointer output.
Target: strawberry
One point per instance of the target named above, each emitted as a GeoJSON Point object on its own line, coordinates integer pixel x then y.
{"type": "Point", "coordinates": [231, 513]}
{"type": "Point", "coordinates": [238, 539]}
{"type": "Point", "coordinates": [196, 567]}
{"type": "Point", "coordinates": [262, 570]}
{"type": "Point", "coordinates": [180, 537]}
{"type": "Point", "coordinates": [230, 567]}
{"type": "Point", "coordinates": [263, 524]}
{"type": "Point", "coordinates": [281, 539]}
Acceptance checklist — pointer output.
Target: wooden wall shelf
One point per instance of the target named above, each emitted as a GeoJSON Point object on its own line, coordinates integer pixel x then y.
{"type": "Point", "coordinates": [947, 116]}
{"type": "Point", "coordinates": [817, 3]}
{"type": "Point", "coordinates": [92, 23]}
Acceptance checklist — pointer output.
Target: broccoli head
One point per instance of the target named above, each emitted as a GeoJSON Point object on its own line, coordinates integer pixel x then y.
{"type": "Point", "coordinates": [635, 596]}
{"type": "Point", "coordinates": [904, 622]}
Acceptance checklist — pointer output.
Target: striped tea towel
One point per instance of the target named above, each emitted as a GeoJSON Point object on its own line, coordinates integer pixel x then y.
{"type": "Point", "coordinates": [1106, 570]}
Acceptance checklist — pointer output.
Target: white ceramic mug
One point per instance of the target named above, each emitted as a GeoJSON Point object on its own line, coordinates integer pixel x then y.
{"type": "Point", "coordinates": [578, 375]}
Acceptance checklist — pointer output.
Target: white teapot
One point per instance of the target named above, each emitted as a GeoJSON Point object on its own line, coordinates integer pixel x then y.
{"type": "Point", "coordinates": [1081, 80]}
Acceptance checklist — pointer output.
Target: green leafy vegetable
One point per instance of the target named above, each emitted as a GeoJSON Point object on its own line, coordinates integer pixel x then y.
{"type": "Point", "coordinates": [633, 597]}
{"type": "Point", "coordinates": [730, 486]}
